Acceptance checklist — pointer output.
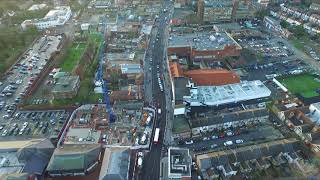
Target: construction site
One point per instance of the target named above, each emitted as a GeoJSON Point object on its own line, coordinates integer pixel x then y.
{"type": "Point", "coordinates": [90, 124]}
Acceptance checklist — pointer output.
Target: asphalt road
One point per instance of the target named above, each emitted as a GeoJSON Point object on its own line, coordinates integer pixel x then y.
{"type": "Point", "coordinates": [151, 165]}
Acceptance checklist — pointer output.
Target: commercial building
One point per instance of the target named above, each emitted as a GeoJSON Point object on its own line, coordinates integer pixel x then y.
{"type": "Point", "coordinates": [25, 157]}
{"type": "Point", "coordinates": [66, 87]}
{"type": "Point", "coordinates": [115, 163]}
{"type": "Point", "coordinates": [212, 77]}
{"type": "Point", "coordinates": [74, 160]}
{"type": "Point", "coordinates": [56, 17]}
{"type": "Point", "coordinates": [179, 164]}
{"type": "Point", "coordinates": [226, 94]}
{"type": "Point", "coordinates": [203, 46]}
{"type": "Point", "coordinates": [215, 11]}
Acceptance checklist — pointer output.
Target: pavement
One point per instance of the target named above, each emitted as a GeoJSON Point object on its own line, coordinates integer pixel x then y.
{"type": "Point", "coordinates": [151, 164]}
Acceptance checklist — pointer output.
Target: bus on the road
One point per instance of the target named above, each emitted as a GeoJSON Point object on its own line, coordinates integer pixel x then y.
{"type": "Point", "coordinates": [156, 136]}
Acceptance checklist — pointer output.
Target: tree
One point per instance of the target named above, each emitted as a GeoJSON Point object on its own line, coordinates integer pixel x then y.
{"type": "Point", "coordinates": [284, 24]}
{"type": "Point", "coordinates": [299, 31]}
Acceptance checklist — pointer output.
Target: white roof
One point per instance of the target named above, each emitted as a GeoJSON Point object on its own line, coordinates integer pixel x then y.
{"type": "Point", "coordinates": [178, 111]}
{"type": "Point", "coordinates": [231, 93]}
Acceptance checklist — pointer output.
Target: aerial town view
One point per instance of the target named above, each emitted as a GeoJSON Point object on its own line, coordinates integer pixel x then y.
{"type": "Point", "coordinates": [159, 89]}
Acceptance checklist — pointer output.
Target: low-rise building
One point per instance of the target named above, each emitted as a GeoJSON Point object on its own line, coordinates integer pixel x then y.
{"type": "Point", "coordinates": [56, 17]}
{"type": "Point", "coordinates": [74, 160]}
{"type": "Point", "coordinates": [115, 163]}
{"type": "Point", "coordinates": [179, 163]}
{"type": "Point", "coordinates": [272, 24]}
{"type": "Point", "coordinates": [66, 87]}
{"type": "Point", "coordinates": [210, 123]}
{"type": "Point", "coordinates": [226, 94]}
{"type": "Point", "coordinates": [246, 159]}
{"type": "Point", "coordinates": [203, 46]}
{"type": "Point", "coordinates": [215, 11]}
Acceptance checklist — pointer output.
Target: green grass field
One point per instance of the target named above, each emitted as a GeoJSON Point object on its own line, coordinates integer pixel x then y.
{"type": "Point", "coordinates": [304, 84]}
{"type": "Point", "coordinates": [74, 55]}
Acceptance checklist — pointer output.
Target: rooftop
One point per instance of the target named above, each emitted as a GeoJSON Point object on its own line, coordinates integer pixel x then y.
{"type": "Point", "coordinates": [66, 84]}
{"type": "Point", "coordinates": [74, 157]}
{"type": "Point", "coordinates": [231, 93]}
{"type": "Point", "coordinates": [130, 68]}
{"type": "Point", "coordinates": [179, 161]}
{"type": "Point", "coordinates": [115, 163]}
{"type": "Point", "coordinates": [229, 117]}
{"type": "Point", "coordinates": [202, 41]}
{"type": "Point", "coordinates": [82, 136]}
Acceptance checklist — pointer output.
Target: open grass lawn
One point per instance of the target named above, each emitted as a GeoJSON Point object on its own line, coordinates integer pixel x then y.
{"type": "Point", "coordinates": [74, 55]}
{"type": "Point", "coordinates": [305, 85]}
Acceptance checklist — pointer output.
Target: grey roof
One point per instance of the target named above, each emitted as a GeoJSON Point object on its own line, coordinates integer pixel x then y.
{"type": "Point", "coordinates": [229, 117]}
{"type": "Point", "coordinates": [36, 156]}
{"type": "Point", "coordinates": [74, 157]}
{"type": "Point", "coordinates": [180, 88]}
{"type": "Point", "coordinates": [202, 41]}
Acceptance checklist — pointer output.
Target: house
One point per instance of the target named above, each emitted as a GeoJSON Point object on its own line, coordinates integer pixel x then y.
{"type": "Point", "coordinates": [227, 120]}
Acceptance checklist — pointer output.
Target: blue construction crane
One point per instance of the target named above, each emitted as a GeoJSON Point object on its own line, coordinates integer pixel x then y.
{"type": "Point", "coordinates": [112, 117]}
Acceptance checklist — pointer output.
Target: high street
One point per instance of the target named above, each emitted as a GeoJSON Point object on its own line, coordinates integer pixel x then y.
{"type": "Point", "coordinates": [151, 165]}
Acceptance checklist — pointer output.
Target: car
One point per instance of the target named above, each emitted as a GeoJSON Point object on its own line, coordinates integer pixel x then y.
{"type": "Point", "coordinates": [228, 143]}
{"type": "Point", "coordinates": [229, 133]}
{"type": "Point", "coordinates": [189, 142]}
{"type": "Point", "coordinates": [1, 127]}
{"type": "Point", "coordinates": [4, 133]}
{"type": "Point", "coordinates": [214, 146]}
{"type": "Point", "coordinates": [214, 137]}
{"type": "Point", "coordinates": [239, 141]}
{"type": "Point", "coordinates": [206, 139]}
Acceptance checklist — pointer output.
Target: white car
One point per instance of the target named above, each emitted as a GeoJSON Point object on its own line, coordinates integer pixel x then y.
{"type": "Point", "coordinates": [228, 143]}
{"type": "Point", "coordinates": [189, 142]}
{"type": "Point", "coordinates": [4, 133]}
{"type": "Point", "coordinates": [239, 141]}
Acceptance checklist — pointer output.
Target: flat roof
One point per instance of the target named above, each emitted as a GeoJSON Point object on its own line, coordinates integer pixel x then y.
{"type": "Point", "coordinates": [179, 161]}
{"type": "Point", "coordinates": [66, 84]}
{"type": "Point", "coordinates": [231, 93]}
{"type": "Point", "coordinates": [202, 40]}
{"type": "Point", "coordinates": [82, 136]}
{"type": "Point", "coordinates": [130, 68]}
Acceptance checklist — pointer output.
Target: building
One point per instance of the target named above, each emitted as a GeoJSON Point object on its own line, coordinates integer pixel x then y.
{"type": "Point", "coordinates": [272, 24]}
{"type": "Point", "coordinates": [242, 10]}
{"type": "Point", "coordinates": [263, 3]}
{"type": "Point", "coordinates": [25, 157]}
{"type": "Point", "coordinates": [226, 94]}
{"type": "Point", "coordinates": [56, 17]}
{"type": "Point", "coordinates": [215, 11]}
{"type": "Point", "coordinates": [115, 164]}
{"type": "Point", "coordinates": [212, 77]}
{"type": "Point", "coordinates": [74, 160]}
{"type": "Point", "coordinates": [179, 164]}
{"type": "Point", "coordinates": [180, 89]}
{"type": "Point", "coordinates": [222, 121]}
{"type": "Point", "coordinates": [249, 158]}
{"type": "Point", "coordinates": [130, 68]}
{"type": "Point", "coordinates": [66, 87]}
{"type": "Point", "coordinates": [203, 46]}
{"type": "Point", "coordinates": [36, 7]}
{"type": "Point", "coordinates": [180, 125]}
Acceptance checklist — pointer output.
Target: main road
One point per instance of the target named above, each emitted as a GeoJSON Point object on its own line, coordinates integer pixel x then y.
{"type": "Point", "coordinates": [151, 165]}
